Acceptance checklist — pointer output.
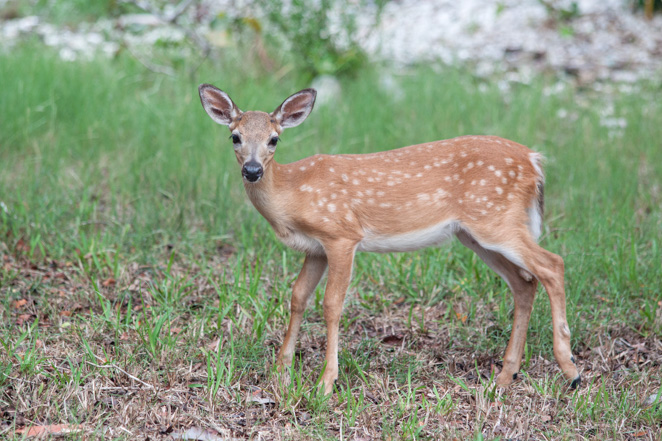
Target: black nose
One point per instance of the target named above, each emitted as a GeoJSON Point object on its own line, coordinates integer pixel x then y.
{"type": "Point", "coordinates": [252, 171]}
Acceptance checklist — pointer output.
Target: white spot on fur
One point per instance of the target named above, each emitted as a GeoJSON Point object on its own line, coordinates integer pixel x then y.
{"type": "Point", "coordinates": [331, 207]}
{"type": "Point", "coordinates": [302, 168]}
{"type": "Point", "coordinates": [344, 177]}
{"type": "Point", "coordinates": [306, 187]}
{"type": "Point", "coordinates": [499, 190]}
{"type": "Point", "coordinates": [355, 181]}
{"type": "Point", "coordinates": [490, 167]}
{"type": "Point", "coordinates": [497, 173]}
{"type": "Point", "coordinates": [483, 182]}
{"type": "Point", "coordinates": [508, 160]}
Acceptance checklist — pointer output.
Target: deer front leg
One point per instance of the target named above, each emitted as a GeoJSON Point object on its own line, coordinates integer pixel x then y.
{"type": "Point", "coordinates": [341, 259]}
{"type": "Point", "coordinates": [310, 275]}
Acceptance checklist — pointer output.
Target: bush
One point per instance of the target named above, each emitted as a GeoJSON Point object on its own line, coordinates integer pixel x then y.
{"type": "Point", "coordinates": [322, 36]}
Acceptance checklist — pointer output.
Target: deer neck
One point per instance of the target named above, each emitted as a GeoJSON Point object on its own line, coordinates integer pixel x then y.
{"type": "Point", "coordinates": [266, 197]}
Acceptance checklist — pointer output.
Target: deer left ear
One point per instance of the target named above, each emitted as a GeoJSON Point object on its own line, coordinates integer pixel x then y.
{"type": "Point", "coordinates": [295, 109]}
{"type": "Point", "coordinates": [218, 104]}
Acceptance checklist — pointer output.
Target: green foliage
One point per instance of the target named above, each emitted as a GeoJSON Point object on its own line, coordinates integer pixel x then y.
{"type": "Point", "coordinates": [317, 44]}
{"type": "Point", "coordinates": [641, 4]}
{"type": "Point", "coordinates": [561, 10]}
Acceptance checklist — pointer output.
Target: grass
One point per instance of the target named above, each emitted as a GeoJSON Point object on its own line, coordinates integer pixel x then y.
{"type": "Point", "coordinates": [142, 295]}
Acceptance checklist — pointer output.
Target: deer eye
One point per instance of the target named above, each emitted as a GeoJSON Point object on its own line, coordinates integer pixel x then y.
{"type": "Point", "coordinates": [273, 141]}
{"type": "Point", "coordinates": [235, 138]}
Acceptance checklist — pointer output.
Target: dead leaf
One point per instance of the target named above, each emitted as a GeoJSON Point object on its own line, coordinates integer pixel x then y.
{"type": "Point", "coordinates": [47, 430]}
{"type": "Point", "coordinates": [199, 434]}
{"type": "Point", "coordinates": [640, 434]}
{"type": "Point", "coordinates": [124, 336]}
{"type": "Point", "coordinates": [259, 396]}
{"type": "Point", "coordinates": [65, 313]}
{"type": "Point", "coordinates": [108, 282]}
{"type": "Point", "coordinates": [175, 330]}
{"type": "Point", "coordinates": [19, 303]}
{"type": "Point", "coordinates": [213, 346]}
{"type": "Point", "coordinates": [21, 246]}
{"type": "Point", "coordinates": [23, 318]}
{"type": "Point", "coordinates": [545, 418]}
{"type": "Point", "coordinates": [394, 340]}
{"type": "Point", "coordinates": [461, 317]}
{"type": "Point", "coordinates": [399, 300]}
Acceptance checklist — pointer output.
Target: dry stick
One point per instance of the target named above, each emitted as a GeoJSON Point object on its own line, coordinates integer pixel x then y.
{"type": "Point", "coordinates": [121, 370]}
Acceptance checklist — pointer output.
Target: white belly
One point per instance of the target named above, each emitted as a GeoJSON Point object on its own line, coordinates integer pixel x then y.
{"type": "Point", "coordinates": [301, 242]}
{"type": "Point", "coordinates": [414, 240]}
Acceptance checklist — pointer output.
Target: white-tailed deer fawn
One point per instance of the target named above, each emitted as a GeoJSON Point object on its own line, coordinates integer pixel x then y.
{"type": "Point", "coordinates": [485, 190]}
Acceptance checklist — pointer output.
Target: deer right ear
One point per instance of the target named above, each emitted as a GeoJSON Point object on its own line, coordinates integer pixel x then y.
{"type": "Point", "coordinates": [218, 104]}
{"type": "Point", "coordinates": [295, 109]}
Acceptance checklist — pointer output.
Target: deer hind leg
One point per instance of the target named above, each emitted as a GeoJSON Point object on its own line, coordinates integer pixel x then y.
{"type": "Point", "coordinates": [523, 287]}
{"type": "Point", "coordinates": [308, 279]}
{"type": "Point", "coordinates": [529, 258]}
{"type": "Point", "coordinates": [548, 268]}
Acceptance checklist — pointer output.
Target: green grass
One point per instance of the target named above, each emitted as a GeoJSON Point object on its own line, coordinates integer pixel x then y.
{"type": "Point", "coordinates": [152, 288]}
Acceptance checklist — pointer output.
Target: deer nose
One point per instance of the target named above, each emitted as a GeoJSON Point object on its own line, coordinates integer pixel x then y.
{"type": "Point", "coordinates": [252, 171]}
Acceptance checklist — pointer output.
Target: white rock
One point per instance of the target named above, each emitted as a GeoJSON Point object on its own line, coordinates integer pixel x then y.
{"type": "Point", "coordinates": [328, 89]}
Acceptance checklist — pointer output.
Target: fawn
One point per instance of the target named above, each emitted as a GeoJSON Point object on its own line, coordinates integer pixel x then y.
{"type": "Point", "coordinates": [485, 190]}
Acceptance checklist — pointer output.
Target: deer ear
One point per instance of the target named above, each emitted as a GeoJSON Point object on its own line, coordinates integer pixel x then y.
{"type": "Point", "coordinates": [218, 104]}
{"type": "Point", "coordinates": [295, 109]}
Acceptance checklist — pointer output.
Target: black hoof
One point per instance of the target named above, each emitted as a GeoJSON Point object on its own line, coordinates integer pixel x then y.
{"type": "Point", "coordinates": [515, 376]}
{"type": "Point", "coordinates": [572, 359]}
{"type": "Point", "coordinates": [576, 382]}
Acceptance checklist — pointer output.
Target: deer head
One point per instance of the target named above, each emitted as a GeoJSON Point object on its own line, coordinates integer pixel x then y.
{"type": "Point", "coordinates": [255, 134]}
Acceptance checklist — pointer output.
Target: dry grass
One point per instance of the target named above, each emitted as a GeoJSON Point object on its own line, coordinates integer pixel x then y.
{"type": "Point", "coordinates": [400, 377]}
